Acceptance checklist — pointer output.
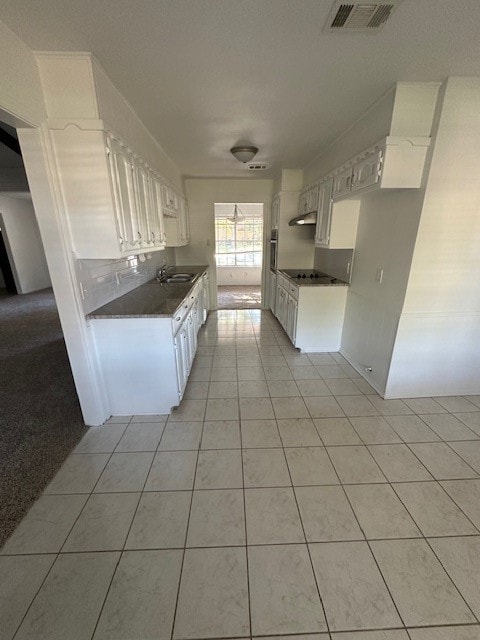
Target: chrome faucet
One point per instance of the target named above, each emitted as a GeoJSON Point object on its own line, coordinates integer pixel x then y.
{"type": "Point", "coordinates": [162, 272]}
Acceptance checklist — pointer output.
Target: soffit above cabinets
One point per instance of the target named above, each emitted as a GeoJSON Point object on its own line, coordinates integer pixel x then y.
{"type": "Point", "coordinates": [211, 74]}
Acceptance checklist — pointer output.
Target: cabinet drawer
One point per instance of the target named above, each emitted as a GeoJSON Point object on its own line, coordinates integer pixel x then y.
{"type": "Point", "coordinates": [293, 290]}
{"type": "Point", "coordinates": [180, 315]}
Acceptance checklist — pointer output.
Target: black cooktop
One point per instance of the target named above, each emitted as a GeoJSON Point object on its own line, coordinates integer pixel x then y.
{"type": "Point", "coordinates": [313, 275]}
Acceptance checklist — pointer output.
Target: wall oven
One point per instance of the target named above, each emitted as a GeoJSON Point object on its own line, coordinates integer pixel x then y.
{"type": "Point", "coordinates": [273, 249]}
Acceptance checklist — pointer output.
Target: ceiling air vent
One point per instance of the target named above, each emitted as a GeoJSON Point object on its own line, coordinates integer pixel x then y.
{"type": "Point", "coordinates": [360, 16]}
{"type": "Point", "coordinates": [257, 166]}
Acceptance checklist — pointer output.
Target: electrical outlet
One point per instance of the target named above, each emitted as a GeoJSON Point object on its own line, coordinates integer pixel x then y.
{"type": "Point", "coordinates": [379, 276]}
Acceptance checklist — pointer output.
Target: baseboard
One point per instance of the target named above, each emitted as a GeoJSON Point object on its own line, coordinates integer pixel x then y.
{"type": "Point", "coordinates": [362, 374]}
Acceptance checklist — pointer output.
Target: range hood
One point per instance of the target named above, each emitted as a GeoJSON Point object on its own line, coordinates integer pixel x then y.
{"type": "Point", "coordinates": [305, 218]}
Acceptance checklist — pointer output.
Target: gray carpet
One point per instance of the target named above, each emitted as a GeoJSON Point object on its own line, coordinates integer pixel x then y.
{"type": "Point", "coordinates": [239, 297]}
{"type": "Point", "coordinates": [40, 419]}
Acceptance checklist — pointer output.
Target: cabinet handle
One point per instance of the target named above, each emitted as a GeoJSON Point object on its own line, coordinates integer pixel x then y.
{"type": "Point", "coordinates": [120, 240]}
{"type": "Point", "coordinates": [178, 318]}
{"type": "Point", "coordinates": [139, 235]}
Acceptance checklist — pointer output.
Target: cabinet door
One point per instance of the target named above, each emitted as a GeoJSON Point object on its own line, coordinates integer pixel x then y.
{"type": "Point", "coordinates": [291, 328]}
{"type": "Point", "coordinates": [183, 220]}
{"type": "Point", "coordinates": [206, 299]}
{"type": "Point", "coordinates": [121, 162]}
{"type": "Point", "coordinates": [324, 215]}
{"type": "Point", "coordinates": [302, 203]}
{"type": "Point", "coordinates": [143, 203]}
{"type": "Point", "coordinates": [156, 226]}
{"type": "Point", "coordinates": [119, 217]}
{"type": "Point", "coordinates": [273, 291]}
{"type": "Point", "coordinates": [275, 212]}
{"type": "Point", "coordinates": [342, 182]}
{"type": "Point", "coordinates": [282, 306]}
{"type": "Point", "coordinates": [180, 344]}
{"type": "Point", "coordinates": [312, 198]}
{"type": "Point", "coordinates": [367, 171]}
{"type": "Point", "coordinates": [191, 336]}
{"type": "Point", "coordinates": [284, 318]}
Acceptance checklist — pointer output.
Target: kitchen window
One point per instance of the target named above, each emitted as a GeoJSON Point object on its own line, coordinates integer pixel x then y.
{"type": "Point", "coordinates": [239, 238]}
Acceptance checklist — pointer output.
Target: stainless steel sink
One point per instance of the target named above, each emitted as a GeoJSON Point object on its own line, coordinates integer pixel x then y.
{"type": "Point", "coordinates": [178, 277]}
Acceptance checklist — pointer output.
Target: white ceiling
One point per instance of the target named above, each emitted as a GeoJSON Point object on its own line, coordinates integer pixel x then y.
{"type": "Point", "coordinates": [205, 75]}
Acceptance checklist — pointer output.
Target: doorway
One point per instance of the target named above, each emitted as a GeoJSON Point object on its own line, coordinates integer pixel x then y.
{"type": "Point", "coordinates": [40, 417]}
{"type": "Point", "coordinates": [239, 254]}
{"type": "Point", "coordinates": [7, 280]}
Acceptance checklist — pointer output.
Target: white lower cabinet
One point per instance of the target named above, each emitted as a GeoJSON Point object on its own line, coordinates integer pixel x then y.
{"type": "Point", "coordinates": [273, 291]}
{"type": "Point", "coordinates": [146, 362]}
{"type": "Point", "coordinates": [312, 316]}
{"type": "Point", "coordinates": [292, 309]}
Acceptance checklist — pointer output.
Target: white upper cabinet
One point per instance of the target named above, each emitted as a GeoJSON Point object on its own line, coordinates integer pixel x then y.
{"type": "Point", "coordinates": [342, 182]}
{"type": "Point", "coordinates": [367, 170]}
{"type": "Point", "coordinates": [143, 203]}
{"type": "Point", "coordinates": [177, 223]}
{"type": "Point", "coordinates": [308, 200]}
{"type": "Point", "coordinates": [113, 199]}
{"type": "Point", "coordinates": [337, 222]}
{"type": "Point", "coordinates": [121, 175]}
{"type": "Point", "coordinates": [322, 230]}
{"type": "Point", "coordinates": [275, 212]}
{"type": "Point", "coordinates": [156, 220]}
{"type": "Point", "coordinates": [393, 163]}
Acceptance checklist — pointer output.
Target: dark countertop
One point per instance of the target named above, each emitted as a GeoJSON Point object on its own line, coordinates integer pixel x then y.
{"type": "Point", "coordinates": [152, 299]}
{"type": "Point", "coordinates": [324, 281]}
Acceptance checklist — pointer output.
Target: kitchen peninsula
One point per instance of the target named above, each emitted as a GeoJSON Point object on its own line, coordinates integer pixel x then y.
{"type": "Point", "coordinates": [146, 341]}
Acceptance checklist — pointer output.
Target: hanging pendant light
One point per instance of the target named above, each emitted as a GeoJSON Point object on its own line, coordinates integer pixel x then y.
{"type": "Point", "coordinates": [237, 215]}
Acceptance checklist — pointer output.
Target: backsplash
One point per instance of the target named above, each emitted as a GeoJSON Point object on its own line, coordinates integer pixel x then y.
{"type": "Point", "coordinates": [334, 262]}
{"type": "Point", "coordinates": [102, 281]}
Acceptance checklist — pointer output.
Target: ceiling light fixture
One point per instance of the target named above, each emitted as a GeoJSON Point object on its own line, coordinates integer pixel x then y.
{"type": "Point", "coordinates": [244, 154]}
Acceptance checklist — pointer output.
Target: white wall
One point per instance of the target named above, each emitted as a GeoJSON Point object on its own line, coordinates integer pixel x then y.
{"type": "Point", "coordinates": [239, 275]}
{"type": "Point", "coordinates": [101, 281]}
{"type": "Point", "coordinates": [77, 89]}
{"type": "Point", "coordinates": [22, 105]}
{"type": "Point", "coordinates": [437, 351]}
{"type": "Point", "coordinates": [24, 244]}
{"type": "Point", "coordinates": [406, 110]}
{"type": "Point", "coordinates": [386, 235]}
{"type": "Point", "coordinates": [202, 195]}
{"type": "Point", "coordinates": [119, 116]}
{"type": "Point", "coordinates": [21, 99]}
{"type": "Point", "coordinates": [387, 229]}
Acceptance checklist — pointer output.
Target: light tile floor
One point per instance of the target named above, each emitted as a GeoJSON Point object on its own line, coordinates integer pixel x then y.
{"type": "Point", "coordinates": [284, 497]}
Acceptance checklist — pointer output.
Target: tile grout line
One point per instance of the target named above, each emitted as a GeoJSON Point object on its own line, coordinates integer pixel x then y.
{"type": "Point", "coordinates": [121, 552]}
{"type": "Point", "coordinates": [249, 600]}
{"type": "Point", "coordinates": [258, 544]}
{"type": "Point", "coordinates": [369, 546]}
{"type": "Point", "coordinates": [305, 535]}
{"type": "Point", "coordinates": [425, 539]}
{"type": "Point", "coordinates": [182, 564]}
{"type": "Point", "coordinates": [63, 544]}
{"type": "Point", "coordinates": [446, 412]}
{"type": "Point", "coordinates": [438, 482]}
{"type": "Point", "coordinates": [413, 519]}
{"type": "Point", "coordinates": [368, 540]}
